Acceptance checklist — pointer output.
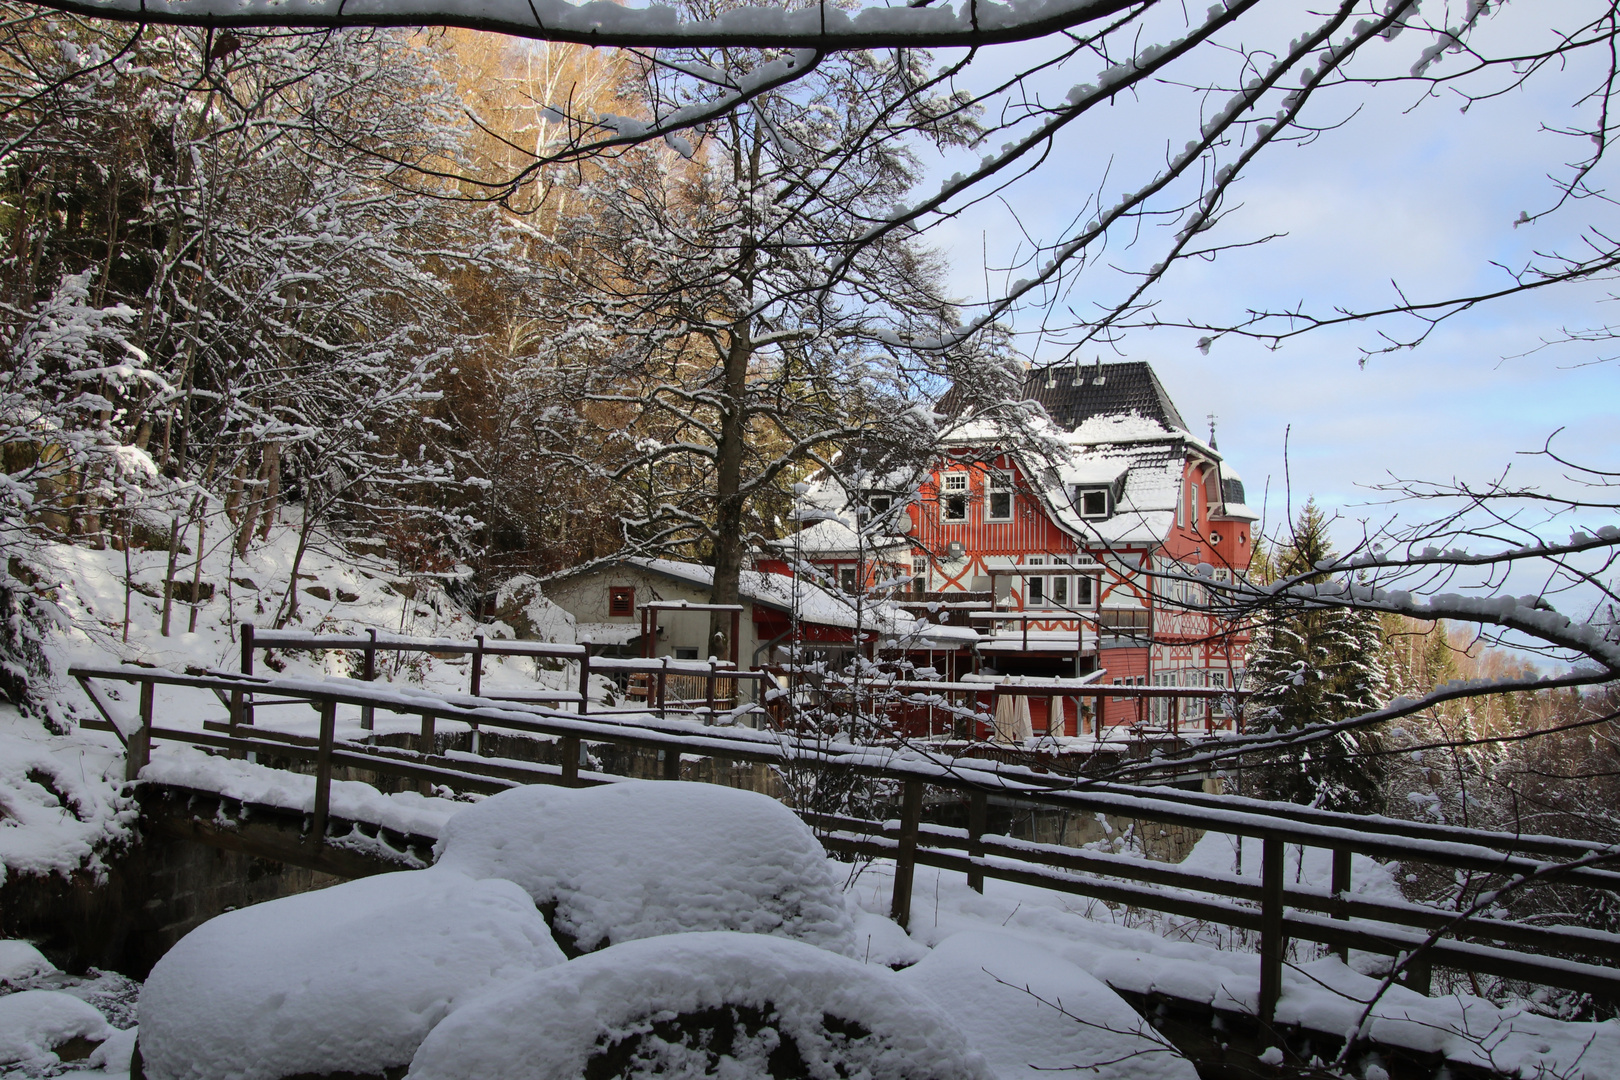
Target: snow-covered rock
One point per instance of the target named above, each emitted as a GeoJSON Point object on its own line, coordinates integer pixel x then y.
{"type": "Point", "coordinates": [34, 1023]}
{"type": "Point", "coordinates": [347, 979]}
{"type": "Point", "coordinates": [712, 1004]}
{"type": "Point", "coordinates": [643, 858]}
{"type": "Point", "coordinates": [1032, 1014]}
{"type": "Point", "coordinates": [20, 961]}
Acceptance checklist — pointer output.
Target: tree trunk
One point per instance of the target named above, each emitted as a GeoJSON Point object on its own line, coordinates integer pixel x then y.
{"type": "Point", "coordinates": [730, 543]}
{"type": "Point", "coordinates": [272, 488]}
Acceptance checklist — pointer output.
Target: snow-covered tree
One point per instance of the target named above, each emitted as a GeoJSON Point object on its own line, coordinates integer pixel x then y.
{"type": "Point", "coordinates": [1315, 667]}
{"type": "Point", "coordinates": [706, 344]}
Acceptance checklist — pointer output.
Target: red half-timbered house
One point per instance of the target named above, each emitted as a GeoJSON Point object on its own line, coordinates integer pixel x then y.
{"type": "Point", "coordinates": [1081, 558]}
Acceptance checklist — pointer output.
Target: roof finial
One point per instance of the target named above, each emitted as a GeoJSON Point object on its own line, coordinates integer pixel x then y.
{"type": "Point", "coordinates": [1212, 445]}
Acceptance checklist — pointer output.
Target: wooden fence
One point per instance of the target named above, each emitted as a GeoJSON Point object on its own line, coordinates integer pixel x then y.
{"type": "Point", "coordinates": [1563, 956]}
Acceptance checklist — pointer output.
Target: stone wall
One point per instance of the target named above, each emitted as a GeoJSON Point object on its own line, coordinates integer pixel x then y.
{"type": "Point", "coordinates": [150, 896]}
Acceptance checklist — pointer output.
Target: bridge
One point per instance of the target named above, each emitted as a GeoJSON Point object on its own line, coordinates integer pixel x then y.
{"type": "Point", "coordinates": [451, 744]}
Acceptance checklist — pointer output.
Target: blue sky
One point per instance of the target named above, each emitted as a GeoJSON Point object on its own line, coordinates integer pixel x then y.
{"type": "Point", "coordinates": [1426, 196]}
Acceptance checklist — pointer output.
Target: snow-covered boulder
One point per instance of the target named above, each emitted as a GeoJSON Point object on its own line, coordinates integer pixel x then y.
{"type": "Point", "coordinates": [1032, 1014]}
{"type": "Point", "coordinates": [522, 606]}
{"type": "Point", "coordinates": [714, 1004]}
{"type": "Point", "coordinates": [20, 961]}
{"type": "Point", "coordinates": [642, 858]}
{"type": "Point", "coordinates": [34, 1024]}
{"type": "Point", "coordinates": [347, 979]}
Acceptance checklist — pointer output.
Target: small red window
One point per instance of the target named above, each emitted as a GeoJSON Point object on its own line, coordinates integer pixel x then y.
{"type": "Point", "coordinates": [621, 600]}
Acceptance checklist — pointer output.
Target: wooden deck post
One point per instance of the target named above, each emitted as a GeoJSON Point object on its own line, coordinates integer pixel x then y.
{"type": "Point", "coordinates": [905, 857]}
{"type": "Point", "coordinates": [368, 713]}
{"type": "Point", "coordinates": [978, 808]}
{"type": "Point", "coordinates": [709, 719]}
{"type": "Point", "coordinates": [1341, 890]}
{"type": "Point", "coordinates": [672, 763]}
{"type": "Point", "coordinates": [1271, 928]}
{"type": "Point", "coordinates": [139, 751]}
{"type": "Point", "coordinates": [323, 771]}
{"type": "Point", "coordinates": [663, 683]}
{"type": "Point", "coordinates": [475, 680]}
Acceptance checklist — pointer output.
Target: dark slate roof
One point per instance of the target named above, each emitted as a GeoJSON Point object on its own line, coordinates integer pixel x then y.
{"type": "Point", "coordinates": [1072, 395]}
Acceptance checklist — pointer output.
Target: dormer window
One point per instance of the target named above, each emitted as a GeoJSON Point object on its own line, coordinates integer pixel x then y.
{"type": "Point", "coordinates": [1093, 503]}
{"type": "Point", "coordinates": [953, 497]}
{"type": "Point", "coordinates": [880, 504]}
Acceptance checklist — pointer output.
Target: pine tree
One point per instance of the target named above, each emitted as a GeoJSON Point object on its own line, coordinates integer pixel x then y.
{"type": "Point", "coordinates": [1316, 666]}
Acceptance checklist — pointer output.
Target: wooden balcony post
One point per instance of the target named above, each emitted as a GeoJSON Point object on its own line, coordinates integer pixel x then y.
{"type": "Point", "coordinates": [1272, 942]}
{"type": "Point", "coordinates": [323, 772]}
{"type": "Point", "coordinates": [905, 857]}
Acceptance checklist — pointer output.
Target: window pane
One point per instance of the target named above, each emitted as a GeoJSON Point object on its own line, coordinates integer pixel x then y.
{"type": "Point", "coordinates": [1094, 504]}
{"type": "Point", "coordinates": [1035, 589]}
{"type": "Point", "coordinates": [956, 508]}
{"type": "Point", "coordinates": [1001, 504]}
{"type": "Point", "coordinates": [1082, 591]}
{"type": "Point", "coordinates": [1060, 590]}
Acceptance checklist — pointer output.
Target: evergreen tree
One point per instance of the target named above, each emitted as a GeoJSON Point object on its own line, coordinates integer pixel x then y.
{"type": "Point", "coordinates": [1310, 666]}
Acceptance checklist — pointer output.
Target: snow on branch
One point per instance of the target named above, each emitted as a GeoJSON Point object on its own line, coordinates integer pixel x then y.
{"type": "Point", "coordinates": [972, 23]}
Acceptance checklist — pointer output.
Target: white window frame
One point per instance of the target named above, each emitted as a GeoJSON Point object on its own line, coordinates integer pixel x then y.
{"type": "Point", "coordinates": [953, 491]}
{"type": "Point", "coordinates": [1080, 494]}
{"type": "Point", "coordinates": [1001, 483]}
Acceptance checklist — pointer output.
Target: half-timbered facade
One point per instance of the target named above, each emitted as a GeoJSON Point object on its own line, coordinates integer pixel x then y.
{"type": "Point", "coordinates": [1084, 557]}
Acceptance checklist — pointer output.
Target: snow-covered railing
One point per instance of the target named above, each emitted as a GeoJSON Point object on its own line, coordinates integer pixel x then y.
{"type": "Point", "coordinates": [713, 675]}
{"type": "Point", "coordinates": [1552, 955]}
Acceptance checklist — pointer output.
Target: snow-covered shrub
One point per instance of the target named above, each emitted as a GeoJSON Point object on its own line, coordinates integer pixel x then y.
{"type": "Point", "coordinates": [1033, 1014]}
{"type": "Point", "coordinates": [25, 670]}
{"type": "Point", "coordinates": [642, 858]}
{"type": "Point", "coordinates": [347, 979]}
{"type": "Point", "coordinates": [713, 1004]}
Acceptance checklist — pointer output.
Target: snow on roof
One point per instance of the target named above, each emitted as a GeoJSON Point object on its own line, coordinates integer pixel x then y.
{"type": "Point", "coordinates": [813, 604]}
{"type": "Point", "coordinates": [604, 633]}
{"type": "Point", "coordinates": [831, 536]}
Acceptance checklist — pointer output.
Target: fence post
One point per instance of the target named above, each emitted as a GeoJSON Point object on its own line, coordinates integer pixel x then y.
{"type": "Point", "coordinates": [585, 681]}
{"type": "Point", "coordinates": [1419, 974]}
{"type": "Point", "coordinates": [139, 750]}
{"type": "Point", "coordinates": [475, 683]}
{"type": "Point", "coordinates": [323, 771]}
{"type": "Point", "coordinates": [1341, 890]}
{"type": "Point", "coordinates": [672, 763]}
{"type": "Point", "coordinates": [245, 710]}
{"type": "Point", "coordinates": [978, 807]}
{"type": "Point", "coordinates": [424, 746]}
{"type": "Point", "coordinates": [905, 856]}
{"type": "Point", "coordinates": [368, 713]}
{"type": "Point", "coordinates": [1271, 928]}
{"type": "Point", "coordinates": [570, 749]}
{"type": "Point", "coordinates": [663, 682]}
{"type": "Point", "coordinates": [709, 719]}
